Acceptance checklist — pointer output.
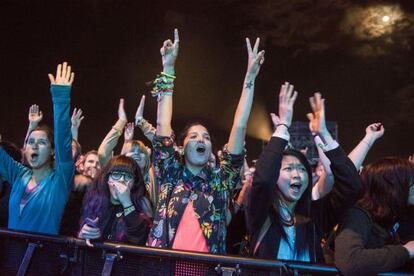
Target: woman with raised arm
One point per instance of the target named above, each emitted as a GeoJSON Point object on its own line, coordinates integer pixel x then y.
{"type": "Point", "coordinates": [367, 243]}
{"type": "Point", "coordinates": [116, 207]}
{"type": "Point", "coordinates": [284, 223]}
{"type": "Point", "coordinates": [325, 180]}
{"type": "Point", "coordinates": [131, 148]}
{"type": "Point", "coordinates": [39, 193]}
{"type": "Point", "coordinates": [194, 197]}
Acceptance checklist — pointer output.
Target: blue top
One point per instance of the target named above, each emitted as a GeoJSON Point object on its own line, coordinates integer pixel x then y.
{"type": "Point", "coordinates": [45, 206]}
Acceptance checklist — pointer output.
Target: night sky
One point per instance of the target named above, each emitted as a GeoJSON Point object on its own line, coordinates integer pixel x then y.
{"type": "Point", "coordinates": [361, 64]}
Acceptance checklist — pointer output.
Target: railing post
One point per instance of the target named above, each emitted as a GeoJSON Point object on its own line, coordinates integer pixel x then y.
{"type": "Point", "coordinates": [109, 262]}
{"type": "Point", "coordinates": [26, 259]}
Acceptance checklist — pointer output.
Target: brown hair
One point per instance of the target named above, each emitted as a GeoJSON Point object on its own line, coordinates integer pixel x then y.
{"type": "Point", "coordinates": [385, 189]}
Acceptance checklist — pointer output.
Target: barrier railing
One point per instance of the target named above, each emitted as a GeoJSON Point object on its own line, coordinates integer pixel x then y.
{"type": "Point", "coordinates": [25, 253]}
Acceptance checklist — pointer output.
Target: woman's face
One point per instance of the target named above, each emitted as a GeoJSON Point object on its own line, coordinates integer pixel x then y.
{"type": "Point", "coordinates": [118, 182]}
{"type": "Point", "coordinates": [38, 151]}
{"type": "Point", "coordinates": [139, 156]}
{"type": "Point", "coordinates": [197, 146]}
{"type": "Point", "coordinates": [293, 179]}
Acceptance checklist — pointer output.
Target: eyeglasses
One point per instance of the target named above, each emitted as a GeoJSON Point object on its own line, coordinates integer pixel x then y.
{"type": "Point", "coordinates": [117, 175]}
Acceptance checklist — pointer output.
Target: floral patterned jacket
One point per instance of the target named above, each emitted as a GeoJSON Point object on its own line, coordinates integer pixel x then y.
{"type": "Point", "coordinates": [209, 190]}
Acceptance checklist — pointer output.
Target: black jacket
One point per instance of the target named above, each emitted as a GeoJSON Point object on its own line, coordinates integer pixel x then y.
{"type": "Point", "coordinates": [325, 212]}
{"type": "Point", "coordinates": [364, 247]}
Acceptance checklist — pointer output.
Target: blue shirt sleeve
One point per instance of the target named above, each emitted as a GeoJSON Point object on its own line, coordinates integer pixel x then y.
{"type": "Point", "coordinates": [64, 166]}
{"type": "Point", "coordinates": [9, 168]}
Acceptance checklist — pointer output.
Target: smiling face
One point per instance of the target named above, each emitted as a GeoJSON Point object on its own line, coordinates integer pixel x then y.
{"type": "Point", "coordinates": [136, 152]}
{"type": "Point", "coordinates": [38, 151]}
{"type": "Point", "coordinates": [293, 179]}
{"type": "Point", "coordinates": [91, 165]}
{"type": "Point", "coordinates": [197, 146]}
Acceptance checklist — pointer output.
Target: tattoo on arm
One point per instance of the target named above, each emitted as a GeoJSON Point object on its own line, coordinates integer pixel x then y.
{"type": "Point", "coordinates": [249, 84]}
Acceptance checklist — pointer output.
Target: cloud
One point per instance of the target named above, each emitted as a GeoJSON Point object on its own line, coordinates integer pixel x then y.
{"type": "Point", "coordinates": [317, 26]}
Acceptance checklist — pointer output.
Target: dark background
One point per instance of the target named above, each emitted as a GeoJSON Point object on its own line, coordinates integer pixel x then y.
{"type": "Point", "coordinates": [364, 69]}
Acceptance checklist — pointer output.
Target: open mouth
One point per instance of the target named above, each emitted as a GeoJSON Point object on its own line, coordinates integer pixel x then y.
{"type": "Point", "coordinates": [296, 187]}
{"type": "Point", "coordinates": [201, 149]}
{"type": "Point", "coordinates": [34, 157]}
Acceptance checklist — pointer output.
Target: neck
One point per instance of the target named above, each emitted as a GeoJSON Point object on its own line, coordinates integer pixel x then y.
{"type": "Point", "coordinates": [41, 173]}
{"type": "Point", "coordinates": [287, 205]}
{"type": "Point", "coordinates": [194, 169]}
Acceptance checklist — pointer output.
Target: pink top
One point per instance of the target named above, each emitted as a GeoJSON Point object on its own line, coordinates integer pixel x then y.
{"type": "Point", "coordinates": [189, 235]}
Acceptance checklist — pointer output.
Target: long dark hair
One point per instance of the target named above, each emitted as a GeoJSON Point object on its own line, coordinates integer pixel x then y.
{"type": "Point", "coordinates": [97, 198]}
{"type": "Point", "coordinates": [385, 189]}
{"type": "Point", "coordinates": [302, 210]}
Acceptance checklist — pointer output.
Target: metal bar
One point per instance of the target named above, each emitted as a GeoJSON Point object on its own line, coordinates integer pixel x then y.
{"type": "Point", "coordinates": [26, 259]}
{"type": "Point", "coordinates": [109, 262]}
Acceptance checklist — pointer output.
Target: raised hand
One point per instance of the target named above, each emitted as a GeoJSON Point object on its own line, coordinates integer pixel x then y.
{"type": "Point", "coordinates": [375, 131]}
{"type": "Point", "coordinates": [255, 58]}
{"type": "Point", "coordinates": [64, 76]}
{"type": "Point", "coordinates": [121, 111]}
{"type": "Point", "coordinates": [169, 51]}
{"type": "Point", "coordinates": [139, 115]}
{"type": "Point", "coordinates": [317, 123]}
{"type": "Point", "coordinates": [129, 132]}
{"type": "Point", "coordinates": [77, 117]}
{"type": "Point", "coordinates": [287, 98]}
{"type": "Point", "coordinates": [35, 115]}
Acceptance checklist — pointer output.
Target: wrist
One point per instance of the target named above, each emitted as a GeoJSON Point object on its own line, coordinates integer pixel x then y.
{"type": "Point", "coordinates": [126, 203]}
{"type": "Point", "coordinates": [369, 139]}
{"type": "Point", "coordinates": [169, 69]}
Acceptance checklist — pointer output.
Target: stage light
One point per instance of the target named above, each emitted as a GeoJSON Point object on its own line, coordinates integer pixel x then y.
{"type": "Point", "coordinates": [259, 126]}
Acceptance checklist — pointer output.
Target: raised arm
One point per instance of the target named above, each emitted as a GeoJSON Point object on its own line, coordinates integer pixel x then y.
{"type": "Point", "coordinates": [111, 139]}
{"type": "Point", "coordinates": [147, 128]}
{"type": "Point", "coordinates": [61, 85]}
{"type": "Point", "coordinates": [268, 165]}
{"type": "Point", "coordinates": [76, 122]}
{"type": "Point", "coordinates": [347, 183]}
{"type": "Point", "coordinates": [238, 130]}
{"type": "Point", "coordinates": [35, 117]}
{"type": "Point", "coordinates": [128, 136]}
{"type": "Point", "coordinates": [372, 133]}
{"type": "Point", "coordinates": [163, 88]}
{"type": "Point", "coordinates": [326, 180]}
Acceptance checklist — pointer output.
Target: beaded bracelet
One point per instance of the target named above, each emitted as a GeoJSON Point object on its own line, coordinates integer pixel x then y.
{"type": "Point", "coordinates": [162, 85]}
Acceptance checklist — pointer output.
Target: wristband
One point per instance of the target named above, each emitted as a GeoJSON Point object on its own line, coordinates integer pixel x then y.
{"type": "Point", "coordinates": [285, 125]}
{"type": "Point", "coordinates": [129, 210]}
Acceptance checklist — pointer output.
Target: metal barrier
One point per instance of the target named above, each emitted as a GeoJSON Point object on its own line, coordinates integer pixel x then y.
{"type": "Point", "coordinates": [24, 253]}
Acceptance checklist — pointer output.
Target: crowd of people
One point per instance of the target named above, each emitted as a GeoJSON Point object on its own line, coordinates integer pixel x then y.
{"type": "Point", "coordinates": [172, 191]}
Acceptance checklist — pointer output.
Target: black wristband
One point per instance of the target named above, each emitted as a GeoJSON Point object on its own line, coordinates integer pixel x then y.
{"type": "Point", "coordinates": [128, 206]}
{"type": "Point", "coordinates": [282, 125]}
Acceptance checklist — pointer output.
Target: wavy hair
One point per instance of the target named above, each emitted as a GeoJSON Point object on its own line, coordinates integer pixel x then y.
{"type": "Point", "coordinates": [385, 189]}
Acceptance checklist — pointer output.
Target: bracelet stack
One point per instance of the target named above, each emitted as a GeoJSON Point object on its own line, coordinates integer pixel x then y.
{"type": "Point", "coordinates": [128, 210]}
{"type": "Point", "coordinates": [163, 85]}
